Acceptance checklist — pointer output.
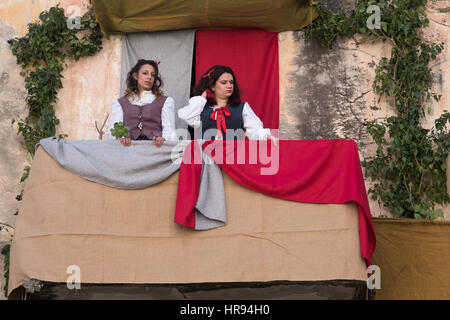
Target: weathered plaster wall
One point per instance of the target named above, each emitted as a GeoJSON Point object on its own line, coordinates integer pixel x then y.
{"type": "Point", "coordinates": [323, 95]}
{"type": "Point", "coordinates": [89, 88]}
{"type": "Point", "coordinates": [329, 94]}
{"type": "Point", "coordinates": [14, 17]}
{"type": "Point", "coordinates": [438, 12]}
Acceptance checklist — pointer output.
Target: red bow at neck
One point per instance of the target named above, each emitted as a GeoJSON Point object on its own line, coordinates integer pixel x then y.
{"type": "Point", "coordinates": [219, 115]}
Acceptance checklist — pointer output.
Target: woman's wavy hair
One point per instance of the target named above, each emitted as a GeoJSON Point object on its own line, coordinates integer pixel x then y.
{"type": "Point", "coordinates": [132, 84]}
{"type": "Point", "coordinates": [206, 82]}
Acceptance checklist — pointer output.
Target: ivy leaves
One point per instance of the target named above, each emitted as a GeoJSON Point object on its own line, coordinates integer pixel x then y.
{"type": "Point", "coordinates": [41, 54]}
{"type": "Point", "coordinates": [90, 42]}
{"type": "Point", "coordinates": [51, 39]}
{"type": "Point", "coordinates": [409, 168]}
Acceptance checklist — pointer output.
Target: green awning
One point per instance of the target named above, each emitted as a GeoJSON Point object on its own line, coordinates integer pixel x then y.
{"type": "Point", "coordinates": [120, 16]}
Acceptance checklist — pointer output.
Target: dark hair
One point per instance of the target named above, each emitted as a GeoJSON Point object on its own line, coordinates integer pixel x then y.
{"type": "Point", "coordinates": [132, 84]}
{"type": "Point", "coordinates": [206, 82]}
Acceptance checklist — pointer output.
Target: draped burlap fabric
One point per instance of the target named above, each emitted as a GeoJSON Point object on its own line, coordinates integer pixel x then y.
{"type": "Point", "coordinates": [129, 236]}
{"type": "Point", "coordinates": [413, 257]}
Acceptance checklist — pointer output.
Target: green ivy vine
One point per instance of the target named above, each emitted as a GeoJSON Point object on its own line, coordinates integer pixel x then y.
{"type": "Point", "coordinates": [41, 53]}
{"type": "Point", "coordinates": [409, 168]}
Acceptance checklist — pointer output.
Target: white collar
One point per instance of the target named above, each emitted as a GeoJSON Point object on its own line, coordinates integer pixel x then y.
{"type": "Point", "coordinates": [147, 92]}
{"type": "Point", "coordinates": [147, 96]}
{"type": "Point", "coordinates": [217, 107]}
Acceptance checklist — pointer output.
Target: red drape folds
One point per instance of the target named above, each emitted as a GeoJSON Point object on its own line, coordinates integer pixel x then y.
{"type": "Point", "coordinates": [314, 171]}
{"type": "Point", "coordinates": [253, 56]}
{"type": "Point", "coordinates": [188, 185]}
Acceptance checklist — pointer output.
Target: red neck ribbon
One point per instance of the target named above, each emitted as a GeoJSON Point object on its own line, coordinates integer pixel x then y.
{"type": "Point", "coordinates": [219, 115]}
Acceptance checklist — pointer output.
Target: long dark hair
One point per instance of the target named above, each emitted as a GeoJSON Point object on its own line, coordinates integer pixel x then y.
{"type": "Point", "coordinates": [206, 82]}
{"type": "Point", "coordinates": [132, 84]}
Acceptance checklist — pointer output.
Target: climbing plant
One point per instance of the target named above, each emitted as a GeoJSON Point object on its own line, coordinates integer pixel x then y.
{"type": "Point", "coordinates": [42, 55]}
{"type": "Point", "coordinates": [409, 168]}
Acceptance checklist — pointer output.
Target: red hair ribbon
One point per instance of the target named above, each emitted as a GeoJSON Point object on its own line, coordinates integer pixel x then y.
{"type": "Point", "coordinates": [208, 74]}
{"type": "Point", "coordinates": [219, 115]}
{"type": "Point", "coordinates": [158, 62]}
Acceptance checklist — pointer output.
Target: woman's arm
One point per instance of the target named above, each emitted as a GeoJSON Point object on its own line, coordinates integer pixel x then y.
{"type": "Point", "coordinates": [253, 126]}
{"type": "Point", "coordinates": [116, 116]}
{"type": "Point", "coordinates": [168, 119]}
{"type": "Point", "coordinates": [191, 112]}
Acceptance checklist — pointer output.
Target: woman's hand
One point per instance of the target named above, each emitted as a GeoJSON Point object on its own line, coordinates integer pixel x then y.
{"type": "Point", "coordinates": [125, 141]}
{"type": "Point", "coordinates": [273, 139]}
{"type": "Point", "coordinates": [158, 141]}
{"type": "Point", "coordinates": [205, 94]}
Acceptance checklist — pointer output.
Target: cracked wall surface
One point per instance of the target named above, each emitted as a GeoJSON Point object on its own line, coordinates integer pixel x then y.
{"type": "Point", "coordinates": [89, 86]}
{"type": "Point", "coordinates": [329, 94]}
{"type": "Point", "coordinates": [323, 95]}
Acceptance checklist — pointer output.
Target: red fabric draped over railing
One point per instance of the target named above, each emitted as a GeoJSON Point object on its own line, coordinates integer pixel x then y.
{"type": "Point", "coordinates": [314, 171]}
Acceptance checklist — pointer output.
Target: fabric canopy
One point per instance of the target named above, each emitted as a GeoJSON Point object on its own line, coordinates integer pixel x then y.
{"type": "Point", "coordinates": [118, 16]}
{"type": "Point", "coordinates": [253, 57]}
{"type": "Point", "coordinates": [314, 171]}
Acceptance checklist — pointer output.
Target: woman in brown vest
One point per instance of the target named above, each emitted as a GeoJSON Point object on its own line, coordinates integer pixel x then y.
{"type": "Point", "coordinates": [144, 109]}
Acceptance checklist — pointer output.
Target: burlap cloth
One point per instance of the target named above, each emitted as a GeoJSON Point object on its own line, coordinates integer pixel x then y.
{"type": "Point", "coordinates": [129, 236]}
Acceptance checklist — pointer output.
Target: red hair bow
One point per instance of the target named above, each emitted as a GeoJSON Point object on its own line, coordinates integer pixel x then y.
{"type": "Point", "coordinates": [208, 74]}
{"type": "Point", "coordinates": [219, 115]}
{"type": "Point", "coordinates": [158, 62]}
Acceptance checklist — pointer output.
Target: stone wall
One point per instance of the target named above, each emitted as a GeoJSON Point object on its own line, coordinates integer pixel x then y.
{"type": "Point", "coordinates": [323, 95]}
{"type": "Point", "coordinates": [329, 94]}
